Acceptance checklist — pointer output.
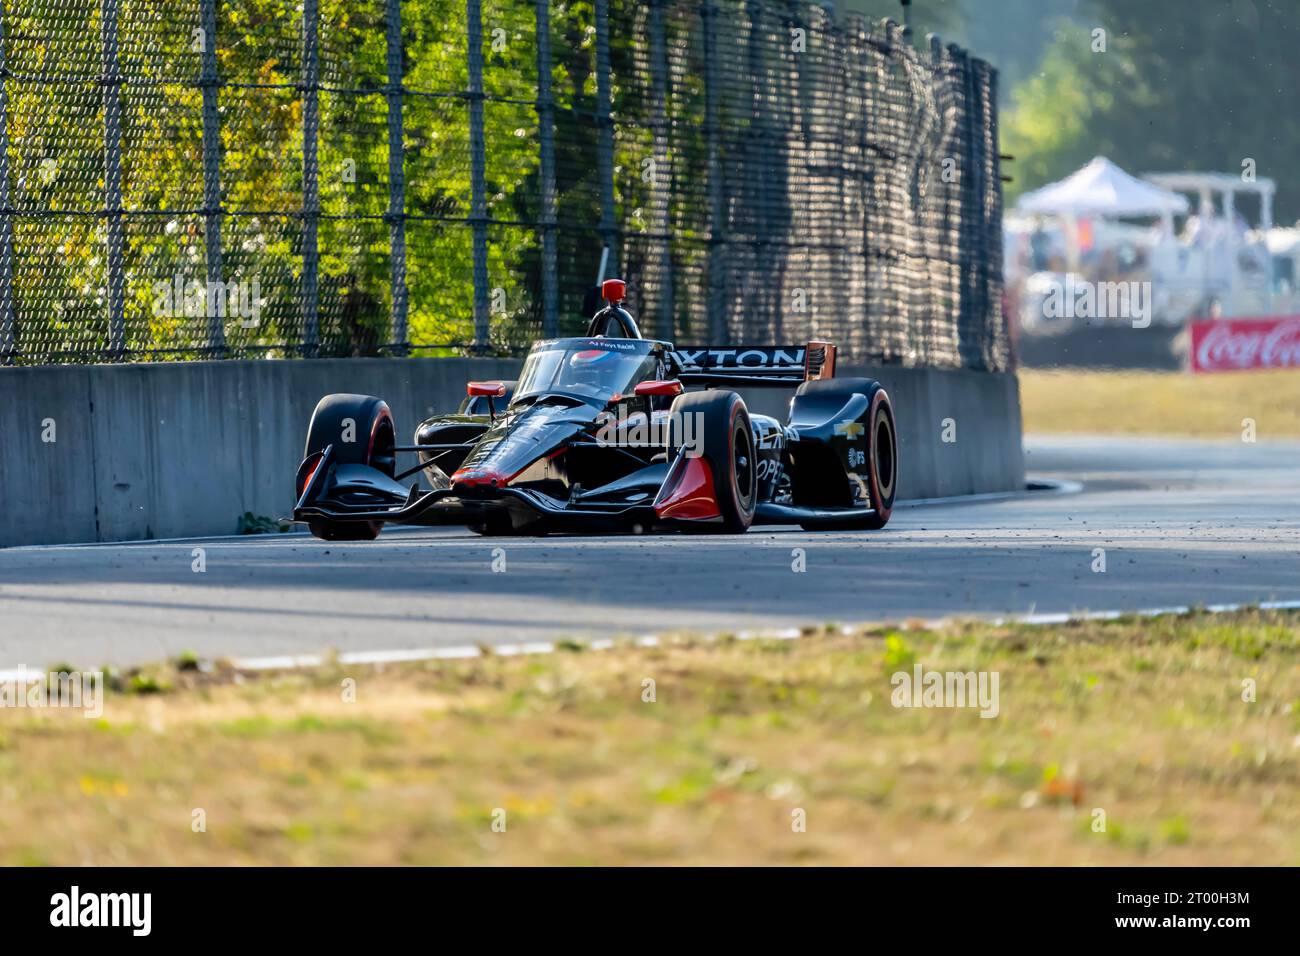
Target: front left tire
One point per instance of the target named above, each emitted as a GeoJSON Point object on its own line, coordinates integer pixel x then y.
{"type": "Point", "coordinates": [720, 423]}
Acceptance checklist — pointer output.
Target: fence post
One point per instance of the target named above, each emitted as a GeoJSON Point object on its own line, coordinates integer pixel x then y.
{"type": "Point", "coordinates": [661, 187]}
{"type": "Point", "coordinates": [718, 326]}
{"type": "Point", "coordinates": [605, 139]}
{"type": "Point", "coordinates": [757, 311]}
{"type": "Point", "coordinates": [974, 313]}
{"type": "Point", "coordinates": [478, 174]}
{"type": "Point", "coordinates": [546, 140]}
{"type": "Point", "coordinates": [310, 171]}
{"type": "Point", "coordinates": [212, 174]}
{"type": "Point", "coordinates": [8, 330]}
{"type": "Point", "coordinates": [113, 180]}
{"type": "Point", "coordinates": [996, 348]}
{"type": "Point", "coordinates": [396, 178]}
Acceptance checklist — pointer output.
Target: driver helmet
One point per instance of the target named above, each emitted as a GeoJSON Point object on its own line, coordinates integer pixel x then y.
{"type": "Point", "coordinates": [588, 366]}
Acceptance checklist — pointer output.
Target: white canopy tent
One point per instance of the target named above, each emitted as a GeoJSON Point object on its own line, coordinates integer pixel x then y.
{"type": "Point", "coordinates": [1102, 189]}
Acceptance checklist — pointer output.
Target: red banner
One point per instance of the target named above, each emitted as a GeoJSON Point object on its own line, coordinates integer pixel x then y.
{"type": "Point", "coordinates": [1225, 345]}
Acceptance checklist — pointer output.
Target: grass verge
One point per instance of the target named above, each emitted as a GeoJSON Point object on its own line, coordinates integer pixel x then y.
{"type": "Point", "coordinates": [1143, 721]}
{"type": "Point", "coordinates": [1174, 404]}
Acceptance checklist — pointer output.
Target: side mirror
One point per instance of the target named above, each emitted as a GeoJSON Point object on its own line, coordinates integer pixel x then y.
{"type": "Point", "coordinates": [667, 388]}
{"type": "Point", "coordinates": [488, 390]}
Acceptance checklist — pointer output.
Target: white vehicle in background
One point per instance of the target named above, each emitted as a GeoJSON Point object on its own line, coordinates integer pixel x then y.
{"type": "Point", "coordinates": [1284, 251]}
{"type": "Point", "coordinates": [1219, 265]}
{"type": "Point", "coordinates": [1036, 293]}
{"type": "Point", "coordinates": [1201, 259]}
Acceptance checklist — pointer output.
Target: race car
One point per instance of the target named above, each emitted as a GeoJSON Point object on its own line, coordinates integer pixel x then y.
{"type": "Point", "coordinates": [600, 433]}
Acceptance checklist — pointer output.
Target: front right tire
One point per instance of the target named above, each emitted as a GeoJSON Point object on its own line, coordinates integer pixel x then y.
{"type": "Point", "coordinates": [362, 432]}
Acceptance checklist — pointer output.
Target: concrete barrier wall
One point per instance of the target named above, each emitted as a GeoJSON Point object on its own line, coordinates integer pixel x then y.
{"type": "Point", "coordinates": [172, 450]}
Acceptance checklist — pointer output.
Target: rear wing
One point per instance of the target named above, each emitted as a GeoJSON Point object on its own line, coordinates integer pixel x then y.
{"type": "Point", "coordinates": [774, 365]}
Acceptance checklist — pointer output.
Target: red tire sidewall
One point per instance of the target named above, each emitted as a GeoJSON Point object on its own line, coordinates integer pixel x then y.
{"type": "Point", "coordinates": [881, 405]}
{"type": "Point", "coordinates": [736, 411]}
{"type": "Point", "coordinates": [382, 414]}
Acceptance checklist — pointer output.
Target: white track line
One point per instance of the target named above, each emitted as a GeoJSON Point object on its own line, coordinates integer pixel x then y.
{"type": "Point", "coordinates": [288, 662]}
{"type": "Point", "coordinates": [199, 539]}
{"type": "Point", "coordinates": [1037, 486]}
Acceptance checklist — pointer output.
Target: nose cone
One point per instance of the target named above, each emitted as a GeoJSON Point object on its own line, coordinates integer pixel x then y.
{"type": "Point", "coordinates": [512, 445]}
{"type": "Point", "coordinates": [467, 479]}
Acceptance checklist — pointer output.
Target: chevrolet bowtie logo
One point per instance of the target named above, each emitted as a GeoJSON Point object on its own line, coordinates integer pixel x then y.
{"type": "Point", "coordinates": [851, 429]}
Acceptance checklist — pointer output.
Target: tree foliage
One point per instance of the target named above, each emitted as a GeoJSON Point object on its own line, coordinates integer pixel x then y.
{"type": "Point", "coordinates": [1181, 85]}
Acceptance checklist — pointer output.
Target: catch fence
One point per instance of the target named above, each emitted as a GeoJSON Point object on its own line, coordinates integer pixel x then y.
{"type": "Point", "coordinates": [239, 178]}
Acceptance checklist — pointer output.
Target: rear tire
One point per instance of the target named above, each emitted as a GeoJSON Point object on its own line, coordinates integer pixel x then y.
{"type": "Point", "coordinates": [369, 423]}
{"type": "Point", "coordinates": [881, 476]}
{"type": "Point", "coordinates": [882, 460]}
{"type": "Point", "coordinates": [720, 424]}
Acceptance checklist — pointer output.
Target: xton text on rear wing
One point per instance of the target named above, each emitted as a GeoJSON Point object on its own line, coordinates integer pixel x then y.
{"type": "Point", "coordinates": [735, 365]}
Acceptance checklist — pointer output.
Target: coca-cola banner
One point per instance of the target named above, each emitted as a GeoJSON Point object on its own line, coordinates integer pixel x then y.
{"type": "Point", "coordinates": [1226, 345]}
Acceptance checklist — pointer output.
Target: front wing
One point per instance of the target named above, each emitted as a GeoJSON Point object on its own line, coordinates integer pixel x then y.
{"type": "Point", "coordinates": [361, 493]}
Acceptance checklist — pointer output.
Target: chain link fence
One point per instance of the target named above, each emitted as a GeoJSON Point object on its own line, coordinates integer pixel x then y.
{"type": "Point", "coordinates": [236, 178]}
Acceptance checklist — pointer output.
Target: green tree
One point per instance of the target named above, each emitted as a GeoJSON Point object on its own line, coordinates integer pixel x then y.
{"type": "Point", "coordinates": [1181, 85]}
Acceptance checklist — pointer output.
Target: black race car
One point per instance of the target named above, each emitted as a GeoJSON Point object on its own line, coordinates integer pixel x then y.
{"type": "Point", "coordinates": [600, 433]}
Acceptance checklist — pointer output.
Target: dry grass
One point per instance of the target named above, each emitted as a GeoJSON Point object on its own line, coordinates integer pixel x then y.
{"type": "Point", "coordinates": [1144, 720]}
{"type": "Point", "coordinates": [1161, 403]}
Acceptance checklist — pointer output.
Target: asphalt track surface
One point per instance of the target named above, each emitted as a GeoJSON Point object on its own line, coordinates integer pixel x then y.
{"type": "Point", "coordinates": [1180, 522]}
